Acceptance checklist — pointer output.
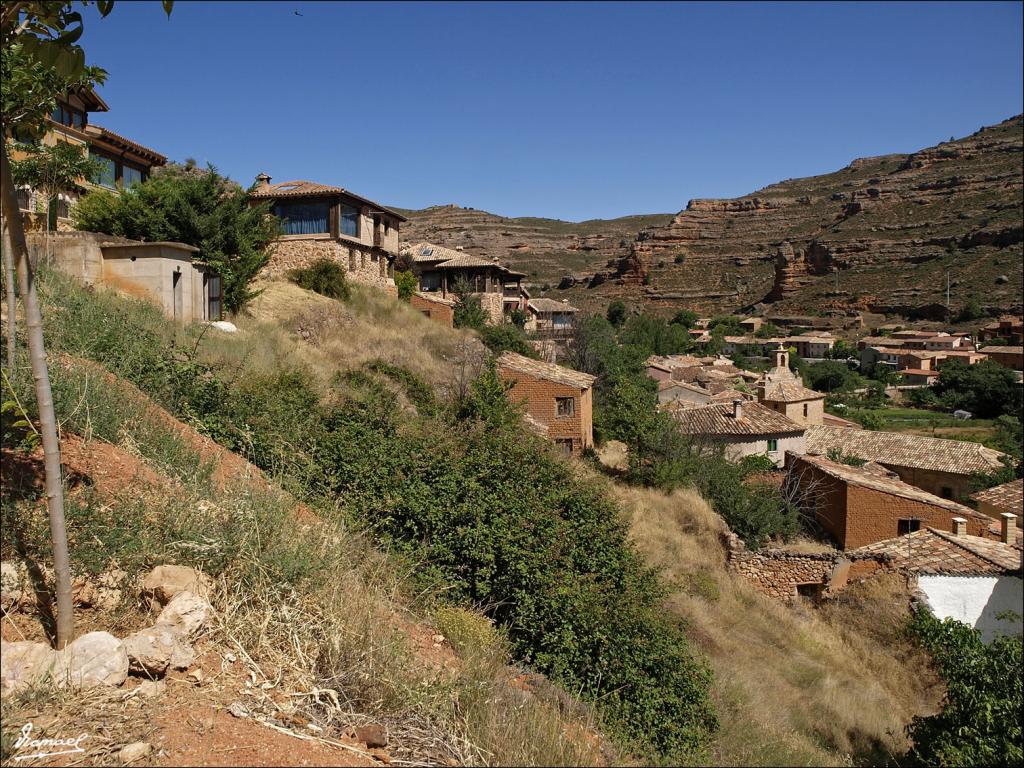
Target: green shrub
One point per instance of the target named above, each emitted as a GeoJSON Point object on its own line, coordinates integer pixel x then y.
{"type": "Point", "coordinates": [468, 312]}
{"type": "Point", "coordinates": [323, 276]}
{"type": "Point", "coordinates": [616, 313]}
{"type": "Point", "coordinates": [506, 338]}
{"type": "Point", "coordinates": [406, 284]}
{"type": "Point", "coordinates": [980, 719]}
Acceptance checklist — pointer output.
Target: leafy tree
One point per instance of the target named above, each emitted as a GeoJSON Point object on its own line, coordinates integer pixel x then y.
{"type": "Point", "coordinates": [686, 318]}
{"type": "Point", "coordinates": [831, 376]}
{"type": "Point", "coordinates": [617, 313]}
{"type": "Point", "coordinates": [971, 310]}
{"type": "Point", "coordinates": [767, 331]}
{"type": "Point", "coordinates": [518, 318]}
{"type": "Point", "coordinates": [980, 720]}
{"type": "Point", "coordinates": [468, 312]}
{"type": "Point", "coordinates": [53, 169]}
{"type": "Point", "coordinates": [323, 276]}
{"type": "Point", "coordinates": [986, 389]}
{"type": "Point", "coordinates": [653, 336]}
{"type": "Point", "coordinates": [506, 338]}
{"type": "Point", "coordinates": [193, 206]}
{"type": "Point", "coordinates": [405, 282]}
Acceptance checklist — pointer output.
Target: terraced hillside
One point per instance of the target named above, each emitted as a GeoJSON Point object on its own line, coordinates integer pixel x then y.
{"type": "Point", "coordinates": [545, 249]}
{"type": "Point", "coordinates": [879, 234]}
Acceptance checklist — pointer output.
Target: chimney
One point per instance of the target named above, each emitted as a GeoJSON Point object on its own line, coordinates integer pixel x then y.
{"type": "Point", "coordinates": [262, 181]}
{"type": "Point", "coordinates": [737, 409]}
{"type": "Point", "coordinates": [959, 526]}
{"type": "Point", "coordinates": [1008, 533]}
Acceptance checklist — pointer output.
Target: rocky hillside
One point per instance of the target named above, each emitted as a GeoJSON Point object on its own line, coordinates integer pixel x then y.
{"type": "Point", "coordinates": [545, 249]}
{"type": "Point", "coordinates": [879, 234]}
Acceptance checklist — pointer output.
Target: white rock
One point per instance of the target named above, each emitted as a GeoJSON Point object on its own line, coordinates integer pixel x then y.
{"type": "Point", "coordinates": [133, 752]}
{"type": "Point", "coordinates": [150, 689]}
{"type": "Point", "coordinates": [224, 325]}
{"type": "Point", "coordinates": [166, 581]}
{"type": "Point", "coordinates": [10, 586]}
{"type": "Point", "coordinates": [154, 650]}
{"type": "Point", "coordinates": [24, 664]}
{"type": "Point", "coordinates": [96, 658]}
{"type": "Point", "coordinates": [187, 612]}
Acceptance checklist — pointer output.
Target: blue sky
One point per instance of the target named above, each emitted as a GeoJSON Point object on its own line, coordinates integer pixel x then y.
{"type": "Point", "coordinates": [571, 111]}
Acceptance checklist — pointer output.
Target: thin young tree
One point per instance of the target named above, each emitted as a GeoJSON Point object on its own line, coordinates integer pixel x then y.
{"type": "Point", "coordinates": [47, 32]}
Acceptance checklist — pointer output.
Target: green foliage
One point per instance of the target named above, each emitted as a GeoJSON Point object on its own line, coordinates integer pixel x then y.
{"type": "Point", "coordinates": [767, 331]}
{"type": "Point", "coordinates": [837, 455]}
{"type": "Point", "coordinates": [193, 206]}
{"type": "Point", "coordinates": [417, 390]}
{"type": "Point", "coordinates": [986, 389]}
{"type": "Point", "coordinates": [867, 419]}
{"type": "Point", "coordinates": [405, 282]}
{"type": "Point", "coordinates": [653, 336]}
{"type": "Point", "coordinates": [468, 312]}
{"type": "Point", "coordinates": [323, 276]}
{"type": "Point", "coordinates": [971, 310]}
{"type": "Point", "coordinates": [726, 325]}
{"type": "Point", "coordinates": [53, 168]}
{"type": "Point", "coordinates": [616, 313]}
{"type": "Point", "coordinates": [980, 720]}
{"type": "Point", "coordinates": [506, 338]}
{"type": "Point", "coordinates": [686, 318]}
{"type": "Point", "coordinates": [518, 318]}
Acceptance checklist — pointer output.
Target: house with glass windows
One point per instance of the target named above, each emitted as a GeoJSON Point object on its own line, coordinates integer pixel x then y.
{"type": "Point", "coordinates": [123, 162]}
{"type": "Point", "coordinates": [318, 221]}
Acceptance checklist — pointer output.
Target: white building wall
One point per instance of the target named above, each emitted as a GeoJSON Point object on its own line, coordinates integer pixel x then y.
{"type": "Point", "coordinates": [976, 600]}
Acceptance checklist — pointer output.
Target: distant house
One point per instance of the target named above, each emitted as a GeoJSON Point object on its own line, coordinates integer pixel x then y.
{"type": "Point", "coordinates": [751, 324]}
{"type": "Point", "coordinates": [437, 308]}
{"type": "Point", "coordinates": [123, 162]}
{"type": "Point", "coordinates": [1008, 497]}
{"type": "Point", "coordinates": [811, 346]}
{"type": "Point", "coordinates": [861, 505]}
{"type": "Point", "coordinates": [783, 391]}
{"type": "Point", "coordinates": [941, 467]}
{"type": "Point", "coordinates": [743, 428]}
{"type": "Point", "coordinates": [1009, 329]}
{"type": "Point", "coordinates": [558, 398]}
{"type": "Point", "coordinates": [440, 270]}
{"type": "Point", "coordinates": [670, 391]}
{"type": "Point", "coordinates": [547, 316]}
{"type": "Point", "coordinates": [1008, 357]}
{"type": "Point", "coordinates": [164, 272]}
{"type": "Point", "coordinates": [319, 221]}
{"type": "Point", "coordinates": [971, 579]}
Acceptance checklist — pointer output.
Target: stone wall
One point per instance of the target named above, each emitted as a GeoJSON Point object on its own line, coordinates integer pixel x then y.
{"type": "Point", "coordinates": [361, 264]}
{"type": "Point", "coordinates": [492, 305]}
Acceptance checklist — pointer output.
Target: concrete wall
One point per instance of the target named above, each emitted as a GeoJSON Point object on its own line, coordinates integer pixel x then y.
{"type": "Point", "coordinates": [977, 601]}
{"type": "Point", "coordinates": [361, 265]}
{"type": "Point", "coordinates": [538, 397]}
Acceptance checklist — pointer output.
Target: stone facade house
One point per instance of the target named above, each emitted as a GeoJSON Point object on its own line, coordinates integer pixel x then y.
{"type": "Point", "coordinates": [549, 317]}
{"type": "Point", "coordinates": [439, 270]}
{"type": "Point", "coordinates": [861, 505]}
{"type": "Point", "coordinates": [743, 428]}
{"type": "Point", "coordinates": [557, 399]}
{"type": "Point", "coordinates": [1008, 497]}
{"type": "Point", "coordinates": [123, 162]}
{"type": "Point", "coordinates": [163, 272]}
{"type": "Point", "coordinates": [319, 221]}
{"type": "Point", "coordinates": [938, 466]}
{"type": "Point", "coordinates": [1008, 357]}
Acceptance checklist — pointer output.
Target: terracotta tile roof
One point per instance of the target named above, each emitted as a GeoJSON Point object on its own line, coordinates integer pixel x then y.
{"type": "Point", "coordinates": [918, 372]}
{"type": "Point", "coordinates": [303, 188]}
{"type": "Point", "coordinates": [718, 419]}
{"type": "Point", "coordinates": [875, 480]}
{"type": "Point", "coordinates": [548, 371]}
{"type": "Point", "coordinates": [933, 552]}
{"type": "Point", "coordinates": [1003, 350]}
{"type": "Point", "coordinates": [728, 395]}
{"type": "Point", "coordinates": [550, 305]}
{"type": "Point", "coordinates": [789, 392]}
{"type": "Point", "coordinates": [436, 298]}
{"type": "Point", "coordinates": [895, 449]}
{"type": "Point", "coordinates": [449, 258]}
{"type": "Point", "coordinates": [1008, 497]}
{"type": "Point", "coordinates": [99, 132]}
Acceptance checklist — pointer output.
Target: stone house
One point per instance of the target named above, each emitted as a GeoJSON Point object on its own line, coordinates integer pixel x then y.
{"type": "Point", "coordinates": [436, 307]}
{"type": "Point", "coordinates": [557, 399]}
{"type": "Point", "coordinates": [1008, 357]}
{"type": "Point", "coordinates": [549, 317]}
{"type": "Point", "coordinates": [124, 162]}
{"type": "Point", "coordinates": [164, 272]}
{"type": "Point", "coordinates": [743, 428]}
{"type": "Point", "coordinates": [938, 466]}
{"type": "Point", "coordinates": [319, 221]}
{"type": "Point", "coordinates": [1008, 497]}
{"type": "Point", "coordinates": [1010, 329]}
{"type": "Point", "coordinates": [861, 505]}
{"type": "Point", "coordinates": [689, 395]}
{"type": "Point", "coordinates": [439, 270]}
{"type": "Point", "coordinates": [783, 391]}
{"type": "Point", "coordinates": [968, 578]}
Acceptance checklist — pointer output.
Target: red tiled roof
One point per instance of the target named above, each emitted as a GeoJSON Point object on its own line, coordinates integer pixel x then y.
{"type": "Point", "coordinates": [718, 419]}
{"type": "Point", "coordinates": [934, 552]}
{"type": "Point", "coordinates": [1009, 497]}
{"type": "Point", "coordinates": [99, 132]}
{"type": "Point", "coordinates": [549, 371]}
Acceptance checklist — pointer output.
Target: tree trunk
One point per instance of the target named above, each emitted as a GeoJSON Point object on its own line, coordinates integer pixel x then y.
{"type": "Point", "coordinates": [44, 401]}
{"type": "Point", "coordinates": [9, 291]}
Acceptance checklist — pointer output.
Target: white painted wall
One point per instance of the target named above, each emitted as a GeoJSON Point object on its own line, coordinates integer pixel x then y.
{"type": "Point", "coordinates": [976, 600]}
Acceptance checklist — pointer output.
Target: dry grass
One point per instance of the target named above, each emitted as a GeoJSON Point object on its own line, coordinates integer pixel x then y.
{"type": "Point", "coordinates": [793, 686]}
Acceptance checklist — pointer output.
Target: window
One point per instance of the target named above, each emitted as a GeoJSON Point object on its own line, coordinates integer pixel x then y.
{"type": "Point", "coordinates": [773, 445]}
{"type": "Point", "coordinates": [349, 221]}
{"type": "Point", "coordinates": [565, 406]}
{"type": "Point", "coordinates": [213, 297]}
{"type": "Point", "coordinates": [107, 174]}
{"type": "Point", "coordinates": [430, 281]}
{"type": "Point", "coordinates": [809, 591]}
{"type": "Point", "coordinates": [907, 525]}
{"type": "Point", "coordinates": [130, 176]}
{"type": "Point", "coordinates": [805, 410]}
{"type": "Point", "coordinates": [564, 445]}
{"type": "Point", "coordinates": [24, 200]}
{"type": "Point", "coordinates": [303, 218]}
{"type": "Point", "coordinates": [947, 493]}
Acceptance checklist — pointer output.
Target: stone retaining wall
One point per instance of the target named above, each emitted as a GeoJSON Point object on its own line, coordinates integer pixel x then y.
{"type": "Point", "coordinates": [361, 265]}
